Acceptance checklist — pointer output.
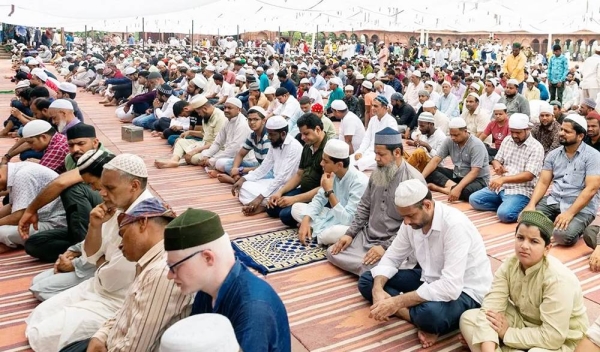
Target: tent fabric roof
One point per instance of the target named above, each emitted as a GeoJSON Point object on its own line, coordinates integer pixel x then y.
{"type": "Point", "coordinates": [224, 16]}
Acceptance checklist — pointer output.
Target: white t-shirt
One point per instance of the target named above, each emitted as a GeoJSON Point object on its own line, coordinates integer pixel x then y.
{"type": "Point", "coordinates": [351, 125]}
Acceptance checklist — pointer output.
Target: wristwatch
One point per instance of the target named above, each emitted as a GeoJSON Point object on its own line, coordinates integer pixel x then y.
{"type": "Point", "coordinates": [241, 170]}
{"type": "Point", "coordinates": [328, 193]}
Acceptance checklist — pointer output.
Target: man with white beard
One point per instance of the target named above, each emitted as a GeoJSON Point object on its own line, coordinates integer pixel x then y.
{"type": "Point", "coordinates": [62, 115]}
{"type": "Point", "coordinates": [376, 221]}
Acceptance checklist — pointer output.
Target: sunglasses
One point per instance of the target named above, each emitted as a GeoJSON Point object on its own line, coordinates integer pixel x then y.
{"type": "Point", "coordinates": [173, 266]}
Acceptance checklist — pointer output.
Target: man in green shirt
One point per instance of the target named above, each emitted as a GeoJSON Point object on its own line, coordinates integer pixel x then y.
{"type": "Point", "coordinates": [335, 85]}
{"type": "Point", "coordinates": [78, 200]}
{"type": "Point", "coordinates": [309, 172]}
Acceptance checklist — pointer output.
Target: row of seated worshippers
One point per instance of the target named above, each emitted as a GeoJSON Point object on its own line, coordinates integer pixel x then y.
{"type": "Point", "coordinates": [146, 264]}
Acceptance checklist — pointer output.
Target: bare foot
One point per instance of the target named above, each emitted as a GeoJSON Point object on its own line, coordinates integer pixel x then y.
{"type": "Point", "coordinates": [462, 340]}
{"type": "Point", "coordinates": [427, 340]}
{"type": "Point", "coordinates": [213, 173]}
{"type": "Point", "coordinates": [4, 248]}
{"type": "Point", "coordinates": [436, 188]}
{"type": "Point", "coordinates": [110, 104]}
{"type": "Point", "coordinates": [224, 178]}
{"type": "Point", "coordinates": [13, 134]}
{"type": "Point", "coordinates": [102, 102]}
{"type": "Point", "coordinates": [165, 163]}
{"type": "Point", "coordinates": [156, 134]}
{"type": "Point", "coordinates": [247, 210]}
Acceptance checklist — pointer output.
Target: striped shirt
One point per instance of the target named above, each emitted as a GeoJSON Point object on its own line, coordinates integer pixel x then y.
{"type": "Point", "coordinates": [261, 148]}
{"type": "Point", "coordinates": [152, 304]}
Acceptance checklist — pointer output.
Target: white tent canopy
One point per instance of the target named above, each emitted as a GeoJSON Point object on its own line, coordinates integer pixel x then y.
{"type": "Point", "coordinates": [229, 16]}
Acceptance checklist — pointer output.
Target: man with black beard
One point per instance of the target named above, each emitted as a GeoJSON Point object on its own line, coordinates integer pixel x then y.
{"type": "Point", "coordinates": [194, 88]}
{"type": "Point", "coordinates": [188, 150]}
{"type": "Point", "coordinates": [514, 101]}
{"type": "Point", "coordinates": [376, 222]}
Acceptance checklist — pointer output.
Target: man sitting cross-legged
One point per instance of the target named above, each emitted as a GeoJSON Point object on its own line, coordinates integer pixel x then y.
{"type": "Point", "coordinates": [376, 221]}
{"type": "Point", "coordinates": [453, 275]}
{"type": "Point", "coordinates": [187, 150]}
{"type": "Point", "coordinates": [341, 188]}
{"type": "Point", "coordinates": [279, 166]}
{"type": "Point", "coordinates": [471, 167]}
{"type": "Point", "coordinates": [518, 163]}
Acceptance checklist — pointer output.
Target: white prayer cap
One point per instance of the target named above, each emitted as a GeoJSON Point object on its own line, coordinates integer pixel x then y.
{"type": "Point", "coordinates": [235, 102]}
{"type": "Point", "coordinates": [304, 80]}
{"type": "Point", "coordinates": [546, 108]}
{"type": "Point", "coordinates": [430, 83]}
{"type": "Point", "coordinates": [349, 88]}
{"type": "Point", "coordinates": [428, 104]}
{"type": "Point", "coordinates": [336, 148]}
{"type": "Point", "coordinates": [426, 117]}
{"type": "Point", "coordinates": [474, 95]}
{"type": "Point", "coordinates": [23, 84]}
{"type": "Point", "coordinates": [35, 128]}
{"type": "Point", "coordinates": [367, 84]}
{"type": "Point", "coordinates": [270, 71]}
{"type": "Point", "coordinates": [99, 66]}
{"type": "Point", "coordinates": [360, 76]}
{"type": "Point", "coordinates": [474, 85]}
{"type": "Point", "coordinates": [257, 108]}
{"type": "Point", "coordinates": [416, 73]}
{"type": "Point", "coordinates": [518, 121]}
{"type": "Point", "coordinates": [446, 83]}
{"type": "Point", "coordinates": [410, 192]}
{"type": "Point", "coordinates": [336, 81]}
{"type": "Point", "coordinates": [575, 118]}
{"type": "Point", "coordinates": [513, 82]}
{"type": "Point", "coordinates": [269, 90]}
{"type": "Point", "coordinates": [25, 69]}
{"type": "Point", "coordinates": [61, 104]}
{"type": "Point", "coordinates": [370, 76]}
{"type": "Point", "coordinates": [457, 122]}
{"type": "Point", "coordinates": [530, 79]}
{"type": "Point", "coordinates": [339, 105]}
{"type": "Point", "coordinates": [210, 68]}
{"type": "Point", "coordinates": [198, 82]}
{"type": "Point", "coordinates": [250, 71]}
{"type": "Point", "coordinates": [276, 123]}
{"type": "Point", "coordinates": [184, 335]}
{"type": "Point", "coordinates": [33, 62]}
{"type": "Point", "coordinates": [40, 74]}
{"type": "Point", "coordinates": [198, 102]}
{"type": "Point", "coordinates": [499, 106]}
{"type": "Point", "coordinates": [241, 78]}
{"type": "Point", "coordinates": [260, 69]}
{"type": "Point", "coordinates": [128, 163]}
{"type": "Point", "coordinates": [130, 70]}
{"type": "Point", "coordinates": [67, 87]}
{"type": "Point", "coordinates": [543, 75]}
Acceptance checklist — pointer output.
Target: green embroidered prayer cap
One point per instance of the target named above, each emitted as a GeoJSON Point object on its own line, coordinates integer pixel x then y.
{"type": "Point", "coordinates": [192, 228]}
{"type": "Point", "coordinates": [539, 220]}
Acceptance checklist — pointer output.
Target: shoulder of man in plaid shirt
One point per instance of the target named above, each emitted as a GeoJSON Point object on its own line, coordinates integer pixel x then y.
{"type": "Point", "coordinates": [54, 156]}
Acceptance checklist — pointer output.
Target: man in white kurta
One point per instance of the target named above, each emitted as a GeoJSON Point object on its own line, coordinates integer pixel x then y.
{"type": "Point", "coordinates": [289, 109]}
{"type": "Point", "coordinates": [282, 159]}
{"type": "Point", "coordinates": [230, 139]}
{"type": "Point", "coordinates": [77, 313]}
{"type": "Point", "coordinates": [342, 188]}
{"type": "Point", "coordinates": [364, 157]}
{"type": "Point", "coordinates": [454, 272]}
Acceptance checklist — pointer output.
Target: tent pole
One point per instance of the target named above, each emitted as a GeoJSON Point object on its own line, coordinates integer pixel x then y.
{"type": "Point", "coordinates": [144, 35]}
{"type": "Point", "coordinates": [192, 38]}
{"type": "Point", "coordinates": [85, 40]}
{"type": "Point", "coordinates": [238, 32]}
{"type": "Point", "coordinates": [550, 45]}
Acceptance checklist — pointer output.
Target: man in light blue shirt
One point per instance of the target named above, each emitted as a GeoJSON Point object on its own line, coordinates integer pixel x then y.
{"type": "Point", "coordinates": [558, 67]}
{"type": "Point", "coordinates": [317, 80]}
{"type": "Point", "coordinates": [341, 187]}
{"type": "Point", "coordinates": [574, 172]}
{"type": "Point", "coordinates": [448, 104]}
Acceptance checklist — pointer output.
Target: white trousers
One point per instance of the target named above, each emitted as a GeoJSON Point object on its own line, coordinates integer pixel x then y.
{"type": "Point", "coordinates": [329, 236]}
{"type": "Point", "coordinates": [367, 162]}
{"type": "Point", "coordinates": [9, 234]}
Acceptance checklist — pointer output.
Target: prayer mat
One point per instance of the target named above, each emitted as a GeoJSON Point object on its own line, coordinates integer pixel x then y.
{"type": "Point", "coordinates": [276, 251]}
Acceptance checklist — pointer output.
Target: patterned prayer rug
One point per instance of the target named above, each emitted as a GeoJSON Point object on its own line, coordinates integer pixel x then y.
{"type": "Point", "coordinates": [276, 251]}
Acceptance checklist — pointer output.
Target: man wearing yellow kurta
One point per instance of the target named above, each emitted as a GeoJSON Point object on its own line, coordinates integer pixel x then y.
{"type": "Point", "coordinates": [515, 64]}
{"type": "Point", "coordinates": [536, 302]}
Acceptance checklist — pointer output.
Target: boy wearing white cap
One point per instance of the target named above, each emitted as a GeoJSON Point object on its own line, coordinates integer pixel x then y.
{"type": "Point", "coordinates": [572, 173]}
{"type": "Point", "coordinates": [497, 129]}
{"type": "Point", "coordinates": [341, 187]}
{"type": "Point", "coordinates": [471, 164]}
{"type": "Point", "coordinates": [518, 163]}
{"type": "Point", "coordinates": [547, 130]}
{"type": "Point", "coordinates": [453, 276]}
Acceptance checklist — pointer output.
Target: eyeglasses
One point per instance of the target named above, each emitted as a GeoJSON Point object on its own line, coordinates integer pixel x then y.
{"type": "Point", "coordinates": [173, 266]}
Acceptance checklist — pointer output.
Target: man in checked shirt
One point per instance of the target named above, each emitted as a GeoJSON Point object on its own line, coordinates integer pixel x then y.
{"type": "Point", "coordinates": [42, 137]}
